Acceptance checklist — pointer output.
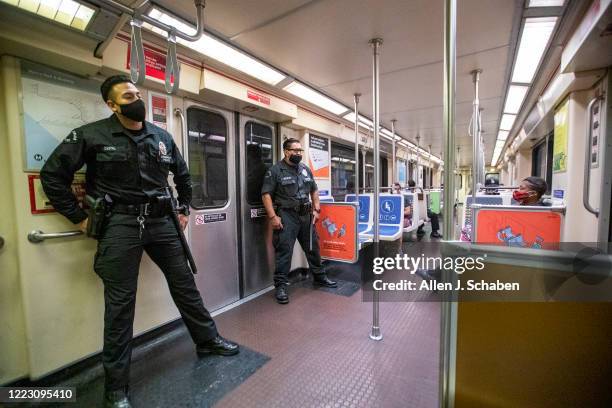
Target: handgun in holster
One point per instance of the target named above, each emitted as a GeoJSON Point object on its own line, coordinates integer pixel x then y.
{"type": "Point", "coordinates": [97, 216]}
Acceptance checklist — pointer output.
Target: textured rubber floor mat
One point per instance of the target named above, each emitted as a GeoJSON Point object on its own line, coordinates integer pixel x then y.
{"type": "Point", "coordinates": [170, 374]}
{"type": "Point", "coordinates": [345, 288]}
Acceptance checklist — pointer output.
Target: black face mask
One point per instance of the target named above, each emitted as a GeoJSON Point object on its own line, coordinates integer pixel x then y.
{"type": "Point", "coordinates": [135, 110]}
{"type": "Point", "coordinates": [295, 158]}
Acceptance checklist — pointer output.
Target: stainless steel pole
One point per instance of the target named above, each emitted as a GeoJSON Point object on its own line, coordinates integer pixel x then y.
{"type": "Point", "coordinates": [393, 180]}
{"type": "Point", "coordinates": [357, 95]}
{"type": "Point", "coordinates": [448, 319]}
{"type": "Point", "coordinates": [429, 167]}
{"type": "Point", "coordinates": [475, 134]}
{"type": "Point", "coordinates": [418, 171]}
{"type": "Point", "coordinates": [375, 334]}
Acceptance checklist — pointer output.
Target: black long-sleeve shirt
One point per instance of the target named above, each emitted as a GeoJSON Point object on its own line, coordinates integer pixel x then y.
{"type": "Point", "coordinates": [131, 169]}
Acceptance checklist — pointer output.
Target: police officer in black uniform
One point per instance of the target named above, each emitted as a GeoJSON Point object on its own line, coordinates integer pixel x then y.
{"type": "Point", "coordinates": [286, 190]}
{"type": "Point", "coordinates": [128, 161]}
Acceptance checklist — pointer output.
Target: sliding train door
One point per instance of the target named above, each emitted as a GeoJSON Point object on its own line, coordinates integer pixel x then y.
{"type": "Point", "coordinates": [257, 141]}
{"type": "Point", "coordinates": [213, 221]}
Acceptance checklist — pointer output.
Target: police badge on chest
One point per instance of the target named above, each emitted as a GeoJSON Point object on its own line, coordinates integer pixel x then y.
{"type": "Point", "coordinates": [163, 154]}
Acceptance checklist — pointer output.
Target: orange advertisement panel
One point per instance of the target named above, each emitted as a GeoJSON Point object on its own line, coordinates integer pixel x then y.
{"type": "Point", "coordinates": [523, 229]}
{"type": "Point", "coordinates": [337, 231]}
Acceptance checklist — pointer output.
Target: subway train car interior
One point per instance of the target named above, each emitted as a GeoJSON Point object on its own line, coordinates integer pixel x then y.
{"type": "Point", "coordinates": [306, 203]}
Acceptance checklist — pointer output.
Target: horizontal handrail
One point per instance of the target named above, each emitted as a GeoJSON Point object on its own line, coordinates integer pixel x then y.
{"type": "Point", "coordinates": [38, 236]}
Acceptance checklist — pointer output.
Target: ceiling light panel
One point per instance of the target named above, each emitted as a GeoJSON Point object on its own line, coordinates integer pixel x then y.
{"type": "Point", "coordinates": [66, 12]}
{"type": "Point", "coordinates": [545, 3]}
{"type": "Point", "coordinates": [216, 49]}
{"type": "Point", "coordinates": [314, 97]}
{"type": "Point", "coordinates": [507, 121]}
{"type": "Point", "coordinates": [533, 42]}
{"type": "Point", "coordinates": [515, 98]}
{"type": "Point", "coordinates": [502, 135]}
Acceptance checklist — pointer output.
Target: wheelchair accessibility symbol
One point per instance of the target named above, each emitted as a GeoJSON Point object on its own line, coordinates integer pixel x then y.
{"type": "Point", "coordinates": [387, 206]}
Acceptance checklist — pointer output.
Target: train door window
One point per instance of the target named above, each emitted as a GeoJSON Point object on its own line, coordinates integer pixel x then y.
{"type": "Point", "coordinates": [259, 158]}
{"type": "Point", "coordinates": [400, 172]}
{"type": "Point", "coordinates": [384, 173]}
{"type": "Point", "coordinates": [541, 160]}
{"type": "Point", "coordinates": [207, 144]}
{"type": "Point", "coordinates": [342, 171]}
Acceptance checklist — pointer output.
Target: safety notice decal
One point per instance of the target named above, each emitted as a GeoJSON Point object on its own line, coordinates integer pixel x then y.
{"type": "Point", "coordinates": [201, 219]}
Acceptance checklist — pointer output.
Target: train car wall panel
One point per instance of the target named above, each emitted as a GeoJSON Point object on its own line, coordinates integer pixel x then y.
{"type": "Point", "coordinates": [318, 124]}
{"type": "Point", "coordinates": [50, 316]}
{"type": "Point", "coordinates": [231, 94]}
{"type": "Point", "coordinates": [569, 176]}
{"type": "Point", "coordinates": [13, 358]}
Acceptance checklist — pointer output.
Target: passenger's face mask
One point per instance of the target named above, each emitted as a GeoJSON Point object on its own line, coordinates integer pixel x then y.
{"type": "Point", "coordinates": [135, 110]}
{"type": "Point", "coordinates": [521, 195]}
{"type": "Point", "coordinates": [295, 158]}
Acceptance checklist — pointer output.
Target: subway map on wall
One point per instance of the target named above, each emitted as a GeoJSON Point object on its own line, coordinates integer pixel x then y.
{"type": "Point", "coordinates": [54, 103]}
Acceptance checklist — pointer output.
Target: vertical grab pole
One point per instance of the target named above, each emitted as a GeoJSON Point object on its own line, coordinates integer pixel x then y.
{"type": "Point", "coordinates": [393, 180]}
{"type": "Point", "coordinates": [429, 167]}
{"type": "Point", "coordinates": [357, 95]}
{"type": "Point", "coordinates": [375, 334]}
{"type": "Point", "coordinates": [418, 172]}
{"type": "Point", "coordinates": [448, 320]}
{"type": "Point", "coordinates": [475, 134]}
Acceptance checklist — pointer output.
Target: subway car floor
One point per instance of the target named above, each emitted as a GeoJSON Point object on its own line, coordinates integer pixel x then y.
{"type": "Point", "coordinates": [313, 352]}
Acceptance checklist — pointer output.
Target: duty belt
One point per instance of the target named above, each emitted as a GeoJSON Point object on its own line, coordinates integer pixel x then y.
{"type": "Point", "coordinates": [301, 209]}
{"type": "Point", "coordinates": [147, 209]}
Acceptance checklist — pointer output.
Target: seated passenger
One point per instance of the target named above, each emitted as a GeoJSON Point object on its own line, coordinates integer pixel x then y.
{"type": "Point", "coordinates": [397, 189]}
{"type": "Point", "coordinates": [433, 217]}
{"type": "Point", "coordinates": [530, 192]}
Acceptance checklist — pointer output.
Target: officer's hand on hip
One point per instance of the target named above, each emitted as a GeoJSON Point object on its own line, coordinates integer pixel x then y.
{"type": "Point", "coordinates": [83, 225]}
{"type": "Point", "coordinates": [183, 220]}
{"type": "Point", "coordinates": [277, 224]}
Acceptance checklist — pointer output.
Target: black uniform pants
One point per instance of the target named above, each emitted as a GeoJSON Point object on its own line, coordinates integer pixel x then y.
{"type": "Point", "coordinates": [295, 227]}
{"type": "Point", "coordinates": [117, 262]}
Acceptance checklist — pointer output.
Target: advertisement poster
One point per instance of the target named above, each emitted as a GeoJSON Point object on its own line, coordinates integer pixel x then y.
{"type": "Point", "coordinates": [337, 231]}
{"type": "Point", "coordinates": [523, 229]}
{"type": "Point", "coordinates": [318, 156]}
{"type": "Point", "coordinates": [155, 64]}
{"type": "Point", "coordinates": [159, 110]}
{"type": "Point", "coordinates": [560, 140]}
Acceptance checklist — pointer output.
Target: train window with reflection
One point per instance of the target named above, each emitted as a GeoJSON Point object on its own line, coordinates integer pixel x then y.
{"type": "Point", "coordinates": [259, 158]}
{"type": "Point", "coordinates": [342, 171]}
{"type": "Point", "coordinates": [207, 144]}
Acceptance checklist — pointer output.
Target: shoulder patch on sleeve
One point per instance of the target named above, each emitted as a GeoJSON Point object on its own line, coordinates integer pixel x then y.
{"type": "Point", "coordinates": [73, 137]}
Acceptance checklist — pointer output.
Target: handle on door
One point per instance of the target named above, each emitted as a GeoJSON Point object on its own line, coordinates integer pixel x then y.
{"type": "Point", "coordinates": [1, 242]}
{"type": "Point", "coordinates": [38, 236]}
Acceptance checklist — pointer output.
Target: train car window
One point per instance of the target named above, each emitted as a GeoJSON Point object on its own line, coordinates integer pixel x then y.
{"type": "Point", "coordinates": [492, 179]}
{"type": "Point", "coordinates": [207, 144]}
{"type": "Point", "coordinates": [342, 171]}
{"type": "Point", "coordinates": [541, 160]}
{"type": "Point", "coordinates": [259, 158]}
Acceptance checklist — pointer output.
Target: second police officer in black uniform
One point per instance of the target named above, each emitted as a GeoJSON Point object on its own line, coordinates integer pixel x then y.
{"type": "Point", "coordinates": [128, 161]}
{"type": "Point", "coordinates": [287, 189]}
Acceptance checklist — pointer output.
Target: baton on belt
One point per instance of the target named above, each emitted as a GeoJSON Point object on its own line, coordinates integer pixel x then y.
{"type": "Point", "coordinates": [310, 236]}
{"type": "Point", "coordinates": [177, 225]}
